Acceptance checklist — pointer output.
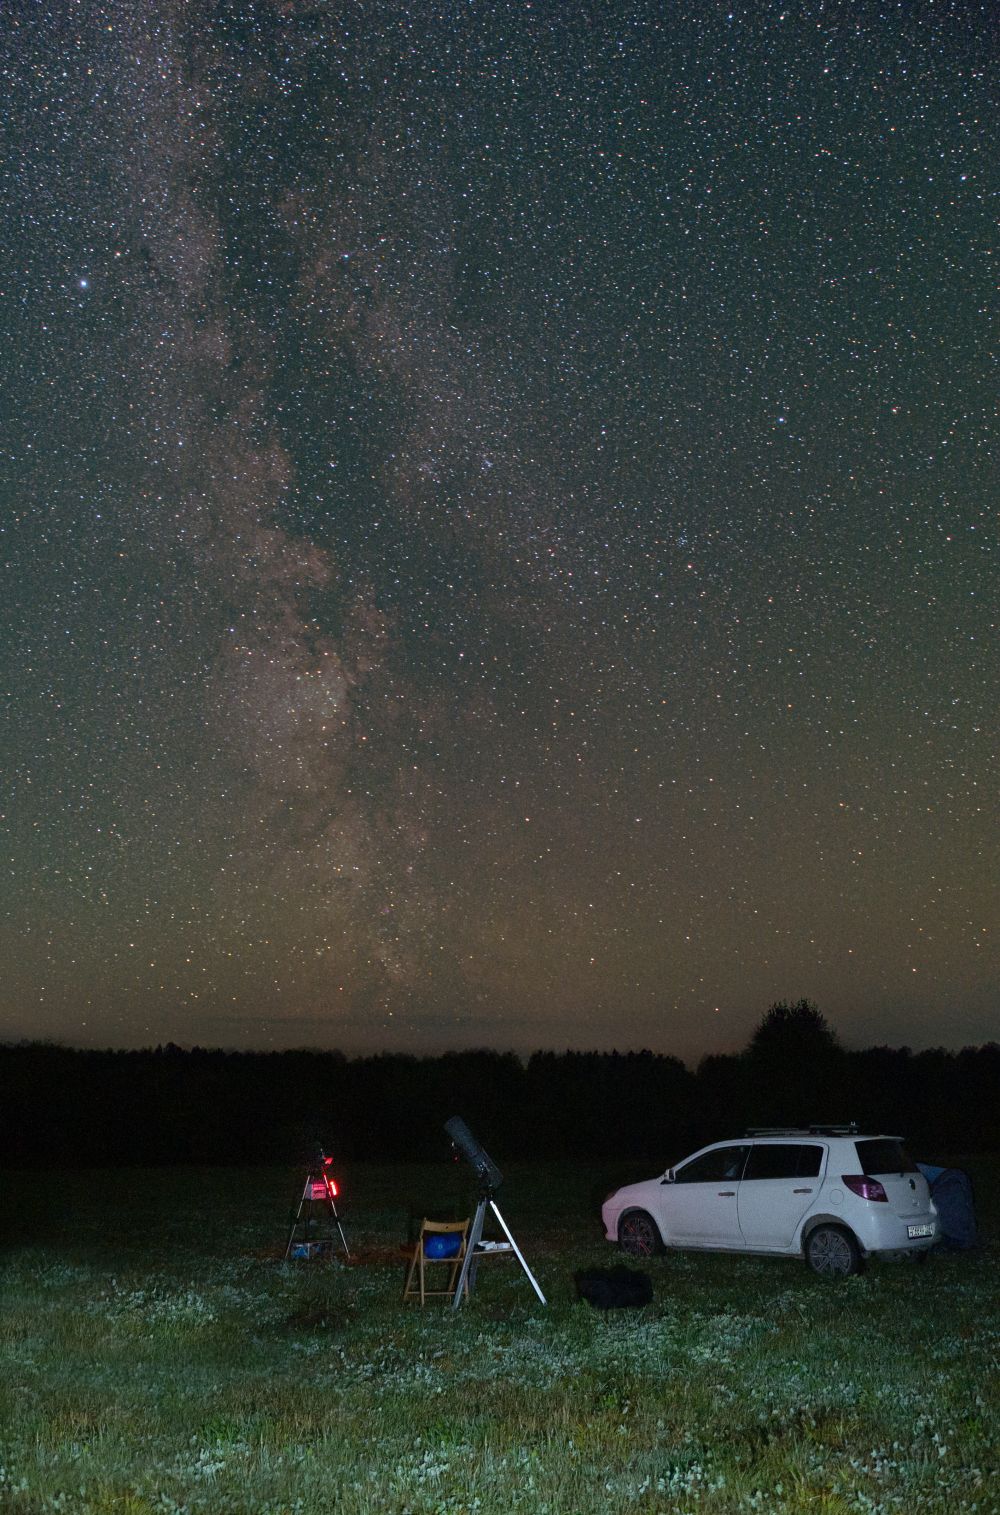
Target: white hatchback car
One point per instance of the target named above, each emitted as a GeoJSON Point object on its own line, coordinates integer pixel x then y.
{"type": "Point", "coordinates": [825, 1193]}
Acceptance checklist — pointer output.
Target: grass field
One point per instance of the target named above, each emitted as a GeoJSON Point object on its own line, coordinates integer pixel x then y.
{"type": "Point", "coordinates": [159, 1356]}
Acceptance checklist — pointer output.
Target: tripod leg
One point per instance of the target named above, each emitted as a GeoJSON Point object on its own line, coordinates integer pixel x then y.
{"type": "Point", "coordinates": [332, 1207]}
{"type": "Point", "coordinates": [475, 1236]}
{"type": "Point", "coordinates": [295, 1222]}
{"type": "Point", "coordinates": [517, 1252]}
{"type": "Point", "coordinates": [343, 1238]}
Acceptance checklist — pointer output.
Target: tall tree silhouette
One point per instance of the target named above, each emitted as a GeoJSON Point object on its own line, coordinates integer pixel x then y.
{"type": "Point", "coordinates": [796, 1067]}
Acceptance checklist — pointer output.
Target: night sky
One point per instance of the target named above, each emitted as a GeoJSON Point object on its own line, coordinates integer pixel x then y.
{"type": "Point", "coordinates": [499, 522]}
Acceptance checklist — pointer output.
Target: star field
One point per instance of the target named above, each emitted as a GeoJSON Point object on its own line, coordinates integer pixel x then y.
{"type": "Point", "coordinates": [499, 523]}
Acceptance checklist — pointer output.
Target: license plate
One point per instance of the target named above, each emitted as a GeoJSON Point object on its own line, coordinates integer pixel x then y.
{"type": "Point", "coordinates": [915, 1231]}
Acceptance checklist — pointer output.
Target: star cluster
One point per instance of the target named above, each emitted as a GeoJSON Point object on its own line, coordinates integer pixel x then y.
{"type": "Point", "coordinates": [499, 522]}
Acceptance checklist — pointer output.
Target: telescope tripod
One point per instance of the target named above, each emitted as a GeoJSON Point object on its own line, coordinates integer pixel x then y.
{"type": "Point", "coordinates": [476, 1249]}
{"type": "Point", "coordinates": [319, 1190]}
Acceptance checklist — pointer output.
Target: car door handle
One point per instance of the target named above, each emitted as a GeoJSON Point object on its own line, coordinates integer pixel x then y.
{"type": "Point", "coordinates": [801, 1191]}
{"type": "Point", "coordinates": [727, 1193]}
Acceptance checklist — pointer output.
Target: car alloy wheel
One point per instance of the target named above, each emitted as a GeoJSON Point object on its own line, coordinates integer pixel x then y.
{"type": "Point", "coordinates": [637, 1234]}
{"type": "Point", "coordinates": [832, 1252]}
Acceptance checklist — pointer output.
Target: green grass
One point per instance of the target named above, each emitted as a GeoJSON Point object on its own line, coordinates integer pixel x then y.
{"type": "Point", "coordinates": [158, 1356]}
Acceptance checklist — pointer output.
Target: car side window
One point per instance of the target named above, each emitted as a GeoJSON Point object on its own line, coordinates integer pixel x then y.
{"type": "Point", "coordinates": [784, 1160]}
{"type": "Point", "coordinates": [723, 1163]}
{"type": "Point", "coordinates": [810, 1161]}
{"type": "Point", "coordinates": [773, 1161]}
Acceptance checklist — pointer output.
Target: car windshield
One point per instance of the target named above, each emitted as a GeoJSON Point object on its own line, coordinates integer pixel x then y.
{"type": "Point", "coordinates": [884, 1156]}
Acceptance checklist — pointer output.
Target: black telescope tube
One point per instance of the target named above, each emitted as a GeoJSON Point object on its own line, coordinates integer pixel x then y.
{"type": "Point", "coordinates": [489, 1175]}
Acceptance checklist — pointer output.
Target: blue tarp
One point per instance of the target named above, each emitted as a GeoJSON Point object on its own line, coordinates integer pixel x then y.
{"type": "Point", "coordinates": [951, 1191]}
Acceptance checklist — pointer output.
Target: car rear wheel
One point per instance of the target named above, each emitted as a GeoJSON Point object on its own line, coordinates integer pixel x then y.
{"type": "Point", "coordinates": [832, 1252]}
{"type": "Point", "coordinates": [637, 1234]}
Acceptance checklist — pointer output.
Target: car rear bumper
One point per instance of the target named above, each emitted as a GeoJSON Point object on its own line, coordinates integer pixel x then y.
{"type": "Point", "coordinates": [898, 1234]}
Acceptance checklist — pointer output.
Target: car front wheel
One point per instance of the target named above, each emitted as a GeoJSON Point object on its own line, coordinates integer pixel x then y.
{"type": "Point", "coordinates": [832, 1252]}
{"type": "Point", "coordinates": [637, 1234]}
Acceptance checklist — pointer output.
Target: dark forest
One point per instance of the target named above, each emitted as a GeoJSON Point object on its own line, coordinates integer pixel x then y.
{"type": "Point", "coordinates": [172, 1105]}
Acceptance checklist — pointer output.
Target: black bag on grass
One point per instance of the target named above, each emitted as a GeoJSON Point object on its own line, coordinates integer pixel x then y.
{"type": "Point", "coordinates": [614, 1288]}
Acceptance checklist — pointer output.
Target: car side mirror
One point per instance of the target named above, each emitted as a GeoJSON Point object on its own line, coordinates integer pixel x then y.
{"type": "Point", "coordinates": [668, 1177]}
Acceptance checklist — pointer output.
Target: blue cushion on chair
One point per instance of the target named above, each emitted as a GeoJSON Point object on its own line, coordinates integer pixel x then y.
{"type": "Point", "coordinates": [447, 1244]}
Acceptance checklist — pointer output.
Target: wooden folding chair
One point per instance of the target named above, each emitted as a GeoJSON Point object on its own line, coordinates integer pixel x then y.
{"type": "Point", "coordinates": [415, 1286]}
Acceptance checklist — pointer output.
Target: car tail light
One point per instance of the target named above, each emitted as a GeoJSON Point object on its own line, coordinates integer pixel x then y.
{"type": "Point", "coordinates": [865, 1187]}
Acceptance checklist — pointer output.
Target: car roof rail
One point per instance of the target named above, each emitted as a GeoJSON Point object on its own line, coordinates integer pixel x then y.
{"type": "Point", "coordinates": [826, 1128]}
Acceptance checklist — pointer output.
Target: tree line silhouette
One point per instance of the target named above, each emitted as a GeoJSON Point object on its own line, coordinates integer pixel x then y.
{"type": "Point", "coordinates": [168, 1105]}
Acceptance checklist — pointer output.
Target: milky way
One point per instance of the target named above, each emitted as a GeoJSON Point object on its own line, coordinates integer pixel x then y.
{"type": "Point", "coordinates": [500, 523]}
